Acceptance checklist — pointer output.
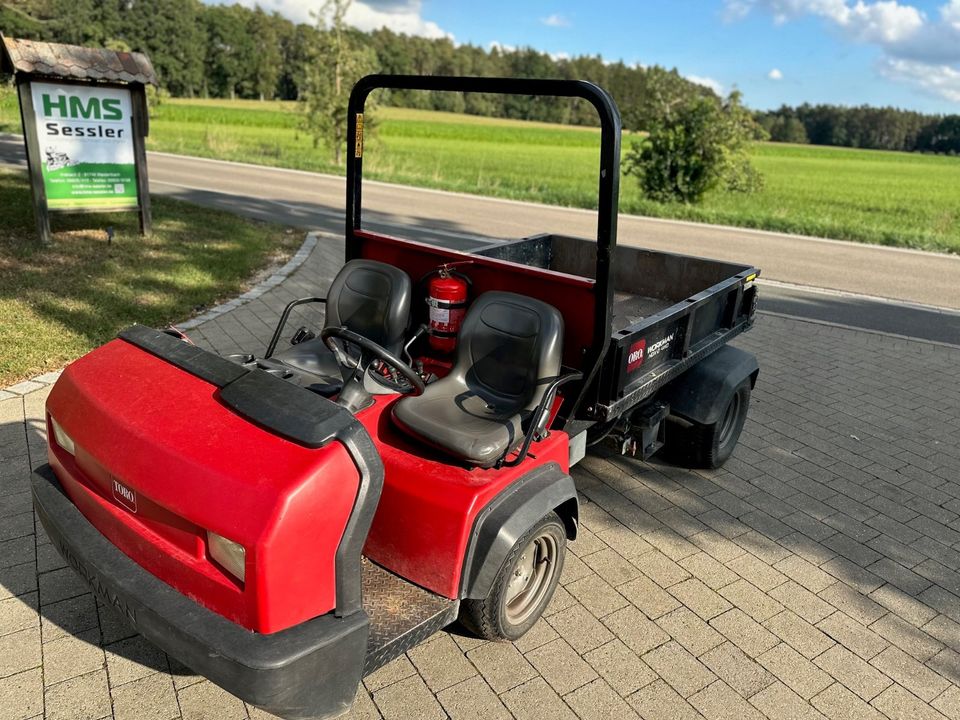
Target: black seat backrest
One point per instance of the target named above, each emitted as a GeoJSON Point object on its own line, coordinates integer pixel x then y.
{"type": "Point", "coordinates": [509, 349]}
{"type": "Point", "coordinates": [372, 299]}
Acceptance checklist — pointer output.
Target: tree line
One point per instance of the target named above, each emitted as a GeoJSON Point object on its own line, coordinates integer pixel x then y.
{"type": "Point", "coordinates": [232, 51]}
{"type": "Point", "coordinates": [884, 128]}
{"type": "Point", "coordinates": [692, 140]}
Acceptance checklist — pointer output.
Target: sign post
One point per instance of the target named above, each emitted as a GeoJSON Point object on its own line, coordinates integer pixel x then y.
{"type": "Point", "coordinates": [36, 174]}
{"type": "Point", "coordinates": [84, 136]}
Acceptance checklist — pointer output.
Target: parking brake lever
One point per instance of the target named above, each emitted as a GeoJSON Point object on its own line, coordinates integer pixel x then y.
{"type": "Point", "coordinates": [406, 348]}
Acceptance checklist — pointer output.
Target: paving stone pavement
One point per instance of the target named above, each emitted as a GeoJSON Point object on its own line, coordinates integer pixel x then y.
{"type": "Point", "coordinates": [816, 575]}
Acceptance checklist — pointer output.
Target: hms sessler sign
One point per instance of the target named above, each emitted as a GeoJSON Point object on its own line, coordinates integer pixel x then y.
{"type": "Point", "coordinates": [86, 145]}
{"type": "Point", "coordinates": [73, 107]}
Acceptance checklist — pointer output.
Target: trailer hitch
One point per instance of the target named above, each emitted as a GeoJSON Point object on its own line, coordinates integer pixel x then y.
{"type": "Point", "coordinates": [642, 432]}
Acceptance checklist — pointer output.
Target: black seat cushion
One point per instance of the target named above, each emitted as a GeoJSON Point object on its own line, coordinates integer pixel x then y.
{"type": "Point", "coordinates": [369, 297]}
{"type": "Point", "coordinates": [459, 423]}
{"type": "Point", "coordinates": [509, 349]}
{"type": "Point", "coordinates": [372, 299]}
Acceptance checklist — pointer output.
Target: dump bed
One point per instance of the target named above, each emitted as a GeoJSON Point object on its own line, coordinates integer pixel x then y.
{"type": "Point", "coordinates": [667, 311]}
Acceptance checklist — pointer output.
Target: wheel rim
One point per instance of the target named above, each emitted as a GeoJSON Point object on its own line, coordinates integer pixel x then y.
{"type": "Point", "coordinates": [730, 419]}
{"type": "Point", "coordinates": [531, 578]}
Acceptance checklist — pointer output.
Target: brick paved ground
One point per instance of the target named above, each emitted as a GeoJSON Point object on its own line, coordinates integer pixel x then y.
{"type": "Point", "coordinates": [816, 575]}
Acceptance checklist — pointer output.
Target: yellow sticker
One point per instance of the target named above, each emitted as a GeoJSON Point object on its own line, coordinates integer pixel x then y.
{"type": "Point", "coordinates": [358, 148]}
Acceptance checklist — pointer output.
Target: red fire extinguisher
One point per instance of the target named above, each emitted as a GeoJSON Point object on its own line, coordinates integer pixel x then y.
{"type": "Point", "coordinates": [447, 300]}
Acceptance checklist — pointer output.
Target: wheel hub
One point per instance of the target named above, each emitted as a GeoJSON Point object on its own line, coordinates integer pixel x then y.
{"type": "Point", "coordinates": [531, 578]}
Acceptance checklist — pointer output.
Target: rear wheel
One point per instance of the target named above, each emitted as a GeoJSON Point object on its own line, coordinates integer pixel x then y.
{"type": "Point", "coordinates": [711, 445]}
{"type": "Point", "coordinates": [524, 586]}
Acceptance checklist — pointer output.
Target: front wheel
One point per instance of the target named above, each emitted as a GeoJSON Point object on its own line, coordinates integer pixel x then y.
{"type": "Point", "coordinates": [524, 586]}
{"type": "Point", "coordinates": [710, 446]}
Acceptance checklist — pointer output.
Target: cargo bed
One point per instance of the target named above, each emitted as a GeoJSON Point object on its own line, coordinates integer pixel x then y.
{"type": "Point", "coordinates": [668, 311]}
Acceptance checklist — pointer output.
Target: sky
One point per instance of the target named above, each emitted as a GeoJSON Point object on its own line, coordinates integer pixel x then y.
{"type": "Point", "coordinates": [850, 52]}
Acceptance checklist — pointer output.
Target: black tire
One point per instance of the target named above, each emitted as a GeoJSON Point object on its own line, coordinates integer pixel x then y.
{"type": "Point", "coordinates": [710, 446]}
{"type": "Point", "coordinates": [506, 614]}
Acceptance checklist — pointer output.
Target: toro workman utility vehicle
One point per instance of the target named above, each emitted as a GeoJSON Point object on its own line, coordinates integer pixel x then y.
{"type": "Point", "coordinates": [286, 523]}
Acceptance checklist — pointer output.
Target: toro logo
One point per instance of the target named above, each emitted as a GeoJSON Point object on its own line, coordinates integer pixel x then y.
{"type": "Point", "coordinates": [637, 354]}
{"type": "Point", "coordinates": [124, 495]}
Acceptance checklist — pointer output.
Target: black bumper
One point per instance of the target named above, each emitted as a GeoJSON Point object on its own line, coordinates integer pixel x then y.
{"type": "Point", "coordinates": [308, 671]}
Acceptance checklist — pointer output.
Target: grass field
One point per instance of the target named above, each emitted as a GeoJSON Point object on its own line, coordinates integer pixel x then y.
{"type": "Point", "coordinates": [881, 197]}
{"type": "Point", "coordinates": [58, 302]}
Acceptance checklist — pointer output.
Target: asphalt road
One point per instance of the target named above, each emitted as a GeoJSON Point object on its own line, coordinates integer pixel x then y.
{"type": "Point", "coordinates": [878, 288]}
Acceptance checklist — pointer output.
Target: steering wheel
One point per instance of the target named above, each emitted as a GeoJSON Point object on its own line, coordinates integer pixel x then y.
{"type": "Point", "coordinates": [368, 348]}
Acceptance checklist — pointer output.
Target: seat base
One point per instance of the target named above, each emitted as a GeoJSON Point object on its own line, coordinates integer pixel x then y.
{"type": "Point", "coordinates": [508, 354]}
{"type": "Point", "coordinates": [459, 423]}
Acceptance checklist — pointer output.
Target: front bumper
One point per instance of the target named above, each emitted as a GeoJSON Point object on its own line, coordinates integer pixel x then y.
{"type": "Point", "coordinates": [308, 671]}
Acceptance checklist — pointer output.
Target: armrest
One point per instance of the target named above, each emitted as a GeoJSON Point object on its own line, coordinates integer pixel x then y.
{"type": "Point", "coordinates": [540, 416]}
{"type": "Point", "coordinates": [283, 320]}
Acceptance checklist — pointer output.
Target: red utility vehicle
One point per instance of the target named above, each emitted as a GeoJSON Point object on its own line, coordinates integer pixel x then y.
{"type": "Point", "coordinates": [286, 524]}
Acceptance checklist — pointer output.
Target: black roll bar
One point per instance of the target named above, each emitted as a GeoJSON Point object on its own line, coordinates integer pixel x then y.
{"type": "Point", "coordinates": [608, 180]}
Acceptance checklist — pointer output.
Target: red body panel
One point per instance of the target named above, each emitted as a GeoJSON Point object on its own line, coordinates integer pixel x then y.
{"type": "Point", "coordinates": [429, 503]}
{"type": "Point", "coordinates": [195, 466]}
{"type": "Point", "coordinates": [573, 296]}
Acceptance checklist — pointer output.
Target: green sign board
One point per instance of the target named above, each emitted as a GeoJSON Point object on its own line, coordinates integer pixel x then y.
{"type": "Point", "coordinates": [86, 146]}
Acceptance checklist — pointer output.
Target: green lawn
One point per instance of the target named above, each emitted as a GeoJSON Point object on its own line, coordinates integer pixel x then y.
{"type": "Point", "coordinates": [901, 199]}
{"type": "Point", "coordinates": [58, 302]}
{"type": "Point", "coordinates": [882, 197]}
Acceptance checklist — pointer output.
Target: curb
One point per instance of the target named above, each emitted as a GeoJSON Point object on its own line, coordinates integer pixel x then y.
{"type": "Point", "coordinates": [25, 387]}
{"type": "Point", "coordinates": [271, 282]}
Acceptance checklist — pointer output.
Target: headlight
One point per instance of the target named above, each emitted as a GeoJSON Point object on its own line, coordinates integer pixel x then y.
{"type": "Point", "coordinates": [63, 440]}
{"type": "Point", "coordinates": [229, 554]}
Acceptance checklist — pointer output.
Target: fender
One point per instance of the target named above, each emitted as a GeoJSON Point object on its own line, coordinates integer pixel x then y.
{"type": "Point", "coordinates": [701, 394]}
{"type": "Point", "coordinates": [508, 516]}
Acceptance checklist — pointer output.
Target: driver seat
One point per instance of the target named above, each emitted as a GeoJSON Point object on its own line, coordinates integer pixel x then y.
{"type": "Point", "coordinates": [508, 353]}
{"type": "Point", "coordinates": [369, 297]}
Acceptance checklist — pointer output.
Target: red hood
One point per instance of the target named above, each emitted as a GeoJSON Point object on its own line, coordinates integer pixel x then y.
{"type": "Point", "coordinates": [195, 465]}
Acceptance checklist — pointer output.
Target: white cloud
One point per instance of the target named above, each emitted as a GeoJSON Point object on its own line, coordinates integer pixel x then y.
{"type": "Point", "coordinates": [917, 48]}
{"type": "Point", "coordinates": [775, 74]}
{"type": "Point", "coordinates": [734, 10]}
{"type": "Point", "coordinates": [495, 45]}
{"type": "Point", "coordinates": [555, 21]}
{"type": "Point", "coordinates": [950, 13]}
{"type": "Point", "coordinates": [941, 80]}
{"type": "Point", "coordinates": [884, 21]}
{"type": "Point", "coordinates": [709, 82]}
{"type": "Point", "coordinates": [401, 16]}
